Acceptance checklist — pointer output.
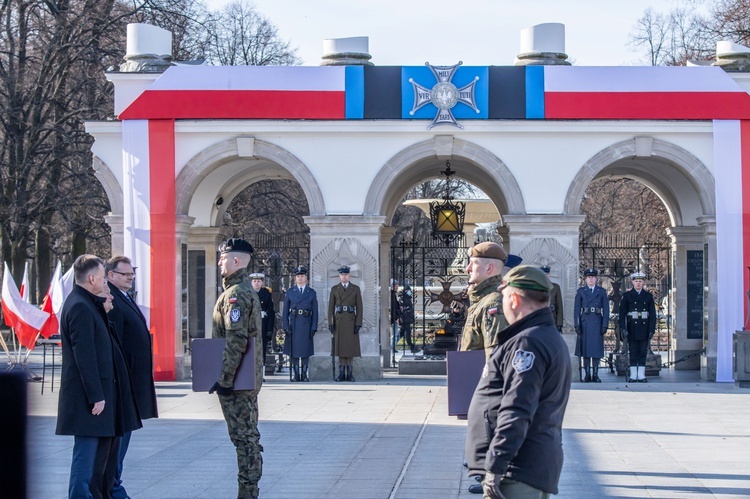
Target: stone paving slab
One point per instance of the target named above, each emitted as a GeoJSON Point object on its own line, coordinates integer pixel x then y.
{"type": "Point", "coordinates": [674, 437]}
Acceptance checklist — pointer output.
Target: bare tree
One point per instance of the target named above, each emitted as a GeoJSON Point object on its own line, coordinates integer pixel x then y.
{"type": "Point", "coordinates": [241, 36]}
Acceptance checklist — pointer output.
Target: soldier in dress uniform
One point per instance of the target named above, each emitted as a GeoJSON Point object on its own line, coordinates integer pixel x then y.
{"type": "Point", "coordinates": [345, 321]}
{"type": "Point", "coordinates": [485, 316]}
{"type": "Point", "coordinates": [267, 312]}
{"type": "Point", "coordinates": [637, 323]}
{"type": "Point", "coordinates": [591, 314]}
{"type": "Point", "coordinates": [300, 323]}
{"type": "Point", "coordinates": [555, 301]}
{"type": "Point", "coordinates": [407, 317]}
{"type": "Point", "coordinates": [237, 318]}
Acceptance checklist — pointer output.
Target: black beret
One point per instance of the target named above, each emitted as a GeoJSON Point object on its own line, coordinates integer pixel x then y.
{"type": "Point", "coordinates": [236, 244]}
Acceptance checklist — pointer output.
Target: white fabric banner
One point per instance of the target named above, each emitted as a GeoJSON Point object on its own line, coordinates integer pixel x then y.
{"type": "Point", "coordinates": [137, 207]}
{"type": "Point", "coordinates": [729, 241]}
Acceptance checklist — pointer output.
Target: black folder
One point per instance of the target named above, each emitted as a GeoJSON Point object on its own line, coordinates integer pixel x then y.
{"type": "Point", "coordinates": [207, 353]}
{"type": "Point", "coordinates": [464, 370]}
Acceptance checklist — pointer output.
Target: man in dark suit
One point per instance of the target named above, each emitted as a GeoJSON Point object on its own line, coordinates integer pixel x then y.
{"type": "Point", "coordinates": [96, 403]}
{"type": "Point", "coordinates": [132, 331]}
{"type": "Point", "coordinates": [300, 323]}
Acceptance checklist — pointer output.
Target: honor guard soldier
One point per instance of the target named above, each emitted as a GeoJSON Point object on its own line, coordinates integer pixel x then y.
{"type": "Point", "coordinates": [267, 313]}
{"type": "Point", "coordinates": [237, 318]}
{"type": "Point", "coordinates": [300, 323]}
{"type": "Point", "coordinates": [344, 322]}
{"type": "Point", "coordinates": [555, 301]}
{"type": "Point", "coordinates": [485, 316]}
{"type": "Point", "coordinates": [638, 323]}
{"type": "Point", "coordinates": [407, 318]}
{"type": "Point", "coordinates": [591, 319]}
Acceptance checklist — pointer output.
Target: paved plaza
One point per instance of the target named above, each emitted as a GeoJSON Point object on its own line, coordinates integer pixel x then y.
{"type": "Point", "coordinates": [674, 437]}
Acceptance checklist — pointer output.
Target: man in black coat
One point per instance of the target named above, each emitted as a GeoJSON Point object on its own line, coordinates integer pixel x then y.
{"type": "Point", "coordinates": [96, 402]}
{"type": "Point", "coordinates": [637, 323]}
{"type": "Point", "coordinates": [132, 331]}
{"type": "Point", "coordinates": [267, 312]}
{"type": "Point", "coordinates": [514, 432]}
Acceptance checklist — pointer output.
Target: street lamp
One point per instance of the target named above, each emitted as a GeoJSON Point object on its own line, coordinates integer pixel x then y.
{"type": "Point", "coordinates": [446, 216]}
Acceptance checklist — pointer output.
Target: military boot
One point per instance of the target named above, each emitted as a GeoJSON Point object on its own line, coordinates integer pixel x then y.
{"type": "Point", "coordinates": [587, 379]}
{"type": "Point", "coordinates": [342, 374]}
{"type": "Point", "coordinates": [304, 373]}
{"type": "Point", "coordinates": [295, 370]}
{"type": "Point", "coordinates": [349, 376]}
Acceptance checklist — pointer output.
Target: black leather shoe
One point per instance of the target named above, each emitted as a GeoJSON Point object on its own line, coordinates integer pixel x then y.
{"type": "Point", "coordinates": [476, 488]}
{"type": "Point", "coordinates": [587, 379]}
{"type": "Point", "coordinates": [644, 380]}
{"type": "Point", "coordinates": [632, 380]}
{"type": "Point", "coordinates": [596, 379]}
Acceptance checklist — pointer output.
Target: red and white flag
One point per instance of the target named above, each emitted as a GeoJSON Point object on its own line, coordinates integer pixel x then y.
{"type": "Point", "coordinates": [25, 284]}
{"type": "Point", "coordinates": [53, 301]}
{"type": "Point", "coordinates": [24, 317]}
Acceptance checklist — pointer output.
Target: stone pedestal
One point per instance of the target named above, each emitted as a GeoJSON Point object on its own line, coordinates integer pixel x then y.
{"type": "Point", "coordinates": [622, 364]}
{"type": "Point", "coordinates": [741, 358]}
{"type": "Point", "coordinates": [424, 367]}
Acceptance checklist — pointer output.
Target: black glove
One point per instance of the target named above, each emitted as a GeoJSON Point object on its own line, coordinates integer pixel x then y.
{"type": "Point", "coordinates": [332, 328]}
{"type": "Point", "coordinates": [356, 329]}
{"type": "Point", "coordinates": [312, 333]}
{"type": "Point", "coordinates": [224, 392]}
{"type": "Point", "coordinates": [579, 331]}
{"type": "Point", "coordinates": [559, 328]}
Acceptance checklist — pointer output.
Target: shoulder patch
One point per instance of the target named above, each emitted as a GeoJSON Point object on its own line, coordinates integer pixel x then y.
{"type": "Point", "coordinates": [523, 361]}
{"type": "Point", "coordinates": [234, 315]}
{"type": "Point", "coordinates": [233, 299]}
{"type": "Point", "coordinates": [492, 311]}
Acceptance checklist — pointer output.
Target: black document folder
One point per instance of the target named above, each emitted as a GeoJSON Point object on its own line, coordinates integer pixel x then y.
{"type": "Point", "coordinates": [207, 353]}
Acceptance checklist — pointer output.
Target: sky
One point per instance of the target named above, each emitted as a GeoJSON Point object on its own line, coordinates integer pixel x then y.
{"type": "Point", "coordinates": [441, 32]}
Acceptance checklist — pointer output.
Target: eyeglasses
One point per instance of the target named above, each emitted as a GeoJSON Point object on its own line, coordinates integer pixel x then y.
{"type": "Point", "coordinates": [126, 274]}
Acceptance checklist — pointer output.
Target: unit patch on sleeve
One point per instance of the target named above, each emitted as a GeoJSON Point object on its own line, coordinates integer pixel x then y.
{"type": "Point", "coordinates": [234, 315]}
{"type": "Point", "coordinates": [523, 361]}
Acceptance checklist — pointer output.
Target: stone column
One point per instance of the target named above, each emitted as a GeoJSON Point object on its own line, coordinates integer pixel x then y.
{"type": "Point", "coordinates": [684, 239]}
{"type": "Point", "coordinates": [182, 228]}
{"type": "Point", "coordinates": [386, 234]}
{"type": "Point", "coordinates": [354, 241]}
{"type": "Point", "coordinates": [551, 240]}
{"type": "Point", "coordinates": [207, 239]}
{"type": "Point", "coordinates": [116, 225]}
{"type": "Point", "coordinates": [710, 336]}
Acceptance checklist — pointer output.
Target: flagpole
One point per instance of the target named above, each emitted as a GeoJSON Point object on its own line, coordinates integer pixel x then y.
{"type": "Point", "coordinates": [28, 350]}
{"type": "Point", "coordinates": [15, 350]}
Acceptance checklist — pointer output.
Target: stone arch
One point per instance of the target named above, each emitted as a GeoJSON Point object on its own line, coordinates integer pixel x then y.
{"type": "Point", "coordinates": [417, 162]}
{"type": "Point", "coordinates": [661, 166]}
{"type": "Point", "coordinates": [111, 185]}
{"type": "Point", "coordinates": [268, 161]}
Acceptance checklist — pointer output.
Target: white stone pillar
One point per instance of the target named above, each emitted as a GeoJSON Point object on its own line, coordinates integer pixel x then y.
{"type": "Point", "coordinates": [207, 239]}
{"type": "Point", "coordinates": [116, 225]}
{"type": "Point", "coordinates": [386, 234]}
{"type": "Point", "coordinates": [551, 240]}
{"type": "Point", "coordinates": [354, 241]}
{"type": "Point", "coordinates": [685, 239]}
{"type": "Point", "coordinates": [708, 360]}
{"type": "Point", "coordinates": [182, 228]}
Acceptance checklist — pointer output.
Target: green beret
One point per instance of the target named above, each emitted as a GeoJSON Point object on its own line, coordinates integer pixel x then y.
{"type": "Point", "coordinates": [527, 277]}
{"type": "Point", "coordinates": [487, 250]}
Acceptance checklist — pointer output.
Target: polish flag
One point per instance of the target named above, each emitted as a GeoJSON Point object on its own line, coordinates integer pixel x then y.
{"type": "Point", "coordinates": [24, 317]}
{"type": "Point", "coordinates": [25, 284]}
{"type": "Point", "coordinates": [59, 289]}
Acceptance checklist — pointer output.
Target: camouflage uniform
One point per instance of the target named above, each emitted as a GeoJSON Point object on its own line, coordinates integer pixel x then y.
{"type": "Point", "coordinates": [237, 318]}
{"type": "Point", "coordinates": [485, 317]}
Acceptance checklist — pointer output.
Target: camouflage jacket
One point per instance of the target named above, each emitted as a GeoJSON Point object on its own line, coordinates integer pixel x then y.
{"type": "Point", "coordinates": [485, 317]}
{"type": "Point", "coordinates": [237, 318]}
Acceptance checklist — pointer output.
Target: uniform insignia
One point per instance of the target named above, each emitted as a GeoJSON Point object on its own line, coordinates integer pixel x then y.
{"type": "Point", "coordinates": [492, 311]}
{"type": "Point", "coordinates": [523, 361]}
{"type": "Point", "coordinates": [485, 371]}
{"type": "Point", "coordinates": [234, 315]}
{"type": "Point", "coordinates": [233, 299]}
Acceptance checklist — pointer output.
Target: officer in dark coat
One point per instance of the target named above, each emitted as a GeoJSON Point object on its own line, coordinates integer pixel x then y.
{"type": "Point", "coordinates": [345, 321]}
{"type": "Point", "coordinates": [300, 323]}
{"type": "Point", "coordinates": [395, 314]}
{"type": "Point", "coordinates": [591, 319]}
{"type": "Point", "coordinates": [96, 402]}
{"type": "Point", "coordinates": [407, 317]}
{"type": "Point", "coordinates": [132, 331]}
{"type": "Point", "coordinates": [638, 323]}
{"type": "Point", "coordinates": [514, 431]}
{"type": "Point", "coordinates": [267, 311]}
{"type": "Point", "coordinates": [555, 301]}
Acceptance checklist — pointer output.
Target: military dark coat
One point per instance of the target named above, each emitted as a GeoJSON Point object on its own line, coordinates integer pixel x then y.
{"type": "Point", "coordinates": [346, 343]}
{"type": "Point", "coordinates": [93, 369]}
{"type": "Point", "coordinates": [269, 317]}
{"type": "Point", "coordinates": [132, 331]}
{"type": "Point", "coordinates": [300, 327]}
{"type": "Point", "coordinates": [556, 304]}
{"type": "Point", "coordinates": [632, 308]}
{"type": "Point", "coordinates": [591, 314]}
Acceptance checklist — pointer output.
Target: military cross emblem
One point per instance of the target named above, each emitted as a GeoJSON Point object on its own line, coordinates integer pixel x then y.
{"type": "Point", "coordinates": [444, 95]}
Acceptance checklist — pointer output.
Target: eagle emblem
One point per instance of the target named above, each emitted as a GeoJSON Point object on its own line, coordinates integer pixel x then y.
{"type": "Point", "coordinates": [523, 361]}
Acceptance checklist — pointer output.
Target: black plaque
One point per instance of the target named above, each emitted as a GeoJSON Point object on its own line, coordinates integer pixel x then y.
{"type": "Point", "coordinates": [694, 309]}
